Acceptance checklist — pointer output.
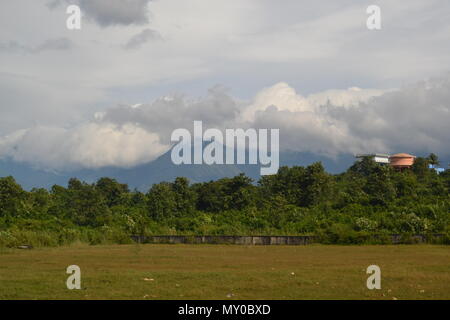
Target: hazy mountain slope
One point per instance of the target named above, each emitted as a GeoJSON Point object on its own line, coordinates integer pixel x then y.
{"type": "Point", "coordinates": [162, 169]}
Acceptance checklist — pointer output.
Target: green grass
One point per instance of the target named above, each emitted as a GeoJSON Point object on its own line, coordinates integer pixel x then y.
{"type": "Point", "coordinates": [226, 272]}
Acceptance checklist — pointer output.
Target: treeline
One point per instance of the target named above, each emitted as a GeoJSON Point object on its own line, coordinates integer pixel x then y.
{"type": "Point", "coordinates": [368, 199]}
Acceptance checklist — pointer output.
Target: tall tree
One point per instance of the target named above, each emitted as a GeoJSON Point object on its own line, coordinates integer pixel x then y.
{"type": "Point", "coordinates": [12, 197]}
{"type": "Point", "coordinates": [112, 190]}
{"type": "Point", "coordinates": [433, 159]}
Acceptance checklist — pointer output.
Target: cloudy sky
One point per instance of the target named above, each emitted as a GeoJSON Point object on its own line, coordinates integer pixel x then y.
{"type": "Point", "coordinates": [112, 92]}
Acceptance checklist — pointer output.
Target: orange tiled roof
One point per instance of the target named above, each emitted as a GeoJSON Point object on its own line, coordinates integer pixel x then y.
{"type": "Point", "coordinates": [402, 155]}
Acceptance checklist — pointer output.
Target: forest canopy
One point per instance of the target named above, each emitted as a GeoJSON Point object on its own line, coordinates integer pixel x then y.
{"type": "Point", "coordinates": [367, 199]}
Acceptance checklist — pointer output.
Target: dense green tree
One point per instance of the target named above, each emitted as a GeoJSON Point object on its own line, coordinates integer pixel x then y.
{"type": "Point", "coordinates": [161, 201]}
{"type": "Point", "coordinates": [113, 191]}
{"type": "Point", "coordinates": [39, 202]}
{"type": "Point", "coordinates": [81, 203]}
{"type": "Point", "coordinates": [88, 207]}
{"type": "Point", "coordinates": [12, 197]}
{"type": "Point", "coordinates": [210, 196]}
{"type": "Point", "coordinates": [406, 184]}
{"type": "Point", "coordinates": [368, 198]}
{"type": "Point", "coordinates": [365, 166]}
{"type": "Point", "coordinates": [380, 186]}
{"type": "Point", "coordinates": [420, 169]}
{"type": "Point", "coordinates": [288, 183]}
{"type": "Point", "coordinates": [239, 192]}
{"type": "Point", "coordinates": [433, 159]}
{"type": "Point", "coordinates": [225, 194]}
{"type": "Point", "coordinates": [317, 185]}
{"type": "Point", "coordinates": [74, 184]}
{"type": "Point", "coordinates": [137, 198]}
{"type": "Point", "coordinates": [185, 197]}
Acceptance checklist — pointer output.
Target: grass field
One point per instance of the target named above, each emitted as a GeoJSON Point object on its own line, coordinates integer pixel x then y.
{"type": "Point", "coordinates": [226, 272]}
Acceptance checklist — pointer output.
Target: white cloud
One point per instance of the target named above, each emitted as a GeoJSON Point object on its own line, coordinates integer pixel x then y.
{"type": "Point", "coordinates": [344, 98]}
{"type": "Point", "coordinates": [247, 45]}
{"type": "Point", "coordinates": [285, 98]}
{"type": "Point", "coordinates": [141, 38]}
{"type": "Point", "coordinates": [91, 145]}
{"type": "Point", "coordinates": [50, 44]}
{"type": "Point", "coordinates": [411, 119]}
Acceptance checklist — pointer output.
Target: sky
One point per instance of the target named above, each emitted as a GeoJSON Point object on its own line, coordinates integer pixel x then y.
{"type": "Point", "coordinates": [112, 92]}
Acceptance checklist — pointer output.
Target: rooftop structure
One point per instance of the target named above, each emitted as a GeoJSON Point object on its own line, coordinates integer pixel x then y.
{"type": "Point", "coordinates": [377, 157]}
{"type": "Point", "coordinates": [401, 160]}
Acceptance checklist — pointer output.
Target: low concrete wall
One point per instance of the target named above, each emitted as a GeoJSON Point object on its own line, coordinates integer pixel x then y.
{"type": "Point", "coordinates": [261, 240]}
{"type": "Point", "coordinates": [242, 240]}
{"type": "Point", "coordinates": [417, 238]}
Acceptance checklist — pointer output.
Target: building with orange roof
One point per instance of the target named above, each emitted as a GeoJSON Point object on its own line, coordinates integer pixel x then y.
{"type": "Point", "coordinates": [401, 160]}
